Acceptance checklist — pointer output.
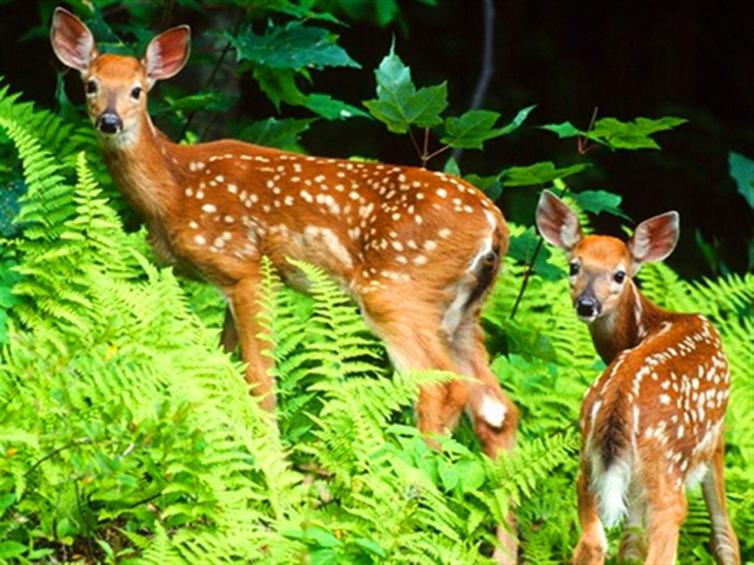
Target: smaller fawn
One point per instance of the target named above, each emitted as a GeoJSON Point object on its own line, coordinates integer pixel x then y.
{"type": "Point", "coordinates": [652, 423]}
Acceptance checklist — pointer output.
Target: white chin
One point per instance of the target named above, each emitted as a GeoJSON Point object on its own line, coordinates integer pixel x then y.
{"type": "Point", "coordinates": [587, 319]}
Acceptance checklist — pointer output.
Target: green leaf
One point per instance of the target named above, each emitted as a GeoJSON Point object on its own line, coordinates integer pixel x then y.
{"type": "Point", "coordinates": [472, 129]}
{"type": "Point", "coordinates": [617, 134]}
{"type": "Point", "coordinates": [522, 249]}
{"type": "Point", "coordinates": [598, 201]}
{"type": "Point", "coordinates": [272, 132]}
{"type": "Point", "coordinates": [449, 476]}
{"type": "Point", "coordinates": [490, 185]}
{"type": "Point", "coordinates": [398, 104]}
{"type": "Point", "coordinates": [741, 170]}
{"type": "Point", "coordinates": [564, 130]}
{"type": "Point", "coordinates": [212, 101]}
{"type": "Point", "coordinates": [451, 167]}
{"type": "Point", "coordinates": [631, 135]}
{"type": "Point", "coordinates": [333, 109]}
{"type": "Point", "coordinates": [293, 46]}
{"type": "Point", "coordinates": [538, 173]}
{"type": "Point", "coordinates": [371, 547]}
{"type": "Point", "coordinates": [321, 537]}
{"type": "Point", "coordinates": [10, 549]}
{"type": "Point", "coordinates": [516, 122]}
{"type": "Point", "coordinates": [279, 86]}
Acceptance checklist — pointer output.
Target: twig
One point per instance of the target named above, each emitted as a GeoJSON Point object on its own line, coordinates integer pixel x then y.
{"type": "Point", "coordinates": [415, 144]}
{"type": "Point", "coordinates": [582, 149]}
{"type": "Point", "coordinates": [425, 148]}
{"type": "Point", "coordinates": [488, 67]}
{"type": "Point", "coordinates": [438, 152]}
{"type": "Point", "coordinates": [213, 74]}
{"type": "Point", "coordinates": [57, 450]}
{"type": "Point", "coordinates": [530, 266]}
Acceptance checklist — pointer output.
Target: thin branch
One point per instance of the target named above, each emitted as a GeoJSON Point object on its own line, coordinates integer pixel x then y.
{"type": "Point", "coordinates": [582, 149]}
{"type": "Point", "coordinates": [438, 152]}
{"type": "Point", "coordinates": [415, 144]}
{"type": "Point", "coordinates": [213, 74]}
{"type": "Point", "coordinates": [54, 452]}
{"type": "Point", "coordinates": [488, 67]}
{"type": "Point", "coordinates": [530, 267]}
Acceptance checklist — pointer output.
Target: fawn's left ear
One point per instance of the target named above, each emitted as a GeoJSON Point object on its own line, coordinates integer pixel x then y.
{"type": "Point", "coordinates": [557, 223]}
{"type": "Point", "coordinates": [71, 40]}
{"type": "Point", "coordinates": [167, 53]}
{"type": "Point", "coordinates": [655, 238]}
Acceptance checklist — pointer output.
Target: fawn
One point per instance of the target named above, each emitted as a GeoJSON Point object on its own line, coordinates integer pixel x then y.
{"type": "Point", "coordinates": [417, 250]}
{"type": "Point", "coordinates": [652, 423]}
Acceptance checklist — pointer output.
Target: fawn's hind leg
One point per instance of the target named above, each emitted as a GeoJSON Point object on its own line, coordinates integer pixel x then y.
{"type": "Point", "coordinates": [592, 546]}
{"type": "Point", "coordinates": [724, 542]}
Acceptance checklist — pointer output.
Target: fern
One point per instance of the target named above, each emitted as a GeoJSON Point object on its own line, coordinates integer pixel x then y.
{"type": "Point", "coordinates": [125, 431]}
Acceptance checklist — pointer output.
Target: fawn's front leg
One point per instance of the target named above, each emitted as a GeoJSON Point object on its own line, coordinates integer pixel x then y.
{"type": "Point", "coordinates": [245, 308]}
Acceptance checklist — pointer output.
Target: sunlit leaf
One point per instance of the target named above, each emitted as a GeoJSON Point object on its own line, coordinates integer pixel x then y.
{"type": "Point", "coordinates": [293, 46]}
{"type": "Point", "coordinates": [333, 109]}
{"type": "Point", "coordinates": [598, 201]}
{"type": "Point", "coordinates": [399, 104]}
{"type": "Point", "coordinates": [538, 173]}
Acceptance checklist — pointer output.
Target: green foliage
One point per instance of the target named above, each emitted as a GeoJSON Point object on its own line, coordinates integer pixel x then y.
{"type": "Point", "coordinates": [272, 132]}
{"type": "Point", "coordinates": [741, 170]}
{"type": "Point", "coordinates": [399, 104]}
{"type": "Point", "coordinates": [473, 128]}
{"type": "Point", "coordinates": [125, 434]}
{"type": "Point", "coordinates": [616, 134]}
{"type": "Point", "coordinates": [293, 46]}
{"type": "Point", "coordinates": [538, 174]}
{"type": "Point", "coordinates": [598, 201]}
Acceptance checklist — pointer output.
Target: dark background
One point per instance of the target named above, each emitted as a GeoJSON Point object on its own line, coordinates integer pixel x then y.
{"type": "Point", "coordinates": [692, 59]}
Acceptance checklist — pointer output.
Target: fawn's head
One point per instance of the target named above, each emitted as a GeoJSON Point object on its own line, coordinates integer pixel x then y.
{"type": "Point", "coordinates": [601, 265]}
{"type": "Point", "coordinates": [116, 86]}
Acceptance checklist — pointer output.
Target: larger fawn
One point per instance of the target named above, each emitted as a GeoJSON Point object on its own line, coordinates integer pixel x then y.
{"type": "Point", "coordinates": [652, 423]}
{"type": "Point", "coordinates": [417, 250]}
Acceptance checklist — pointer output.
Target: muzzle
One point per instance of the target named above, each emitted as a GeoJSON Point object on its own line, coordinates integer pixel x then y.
{"type": "Point", "coordinates": [587, 308]}
{"type": "Point", "coordinates": [109, 122]}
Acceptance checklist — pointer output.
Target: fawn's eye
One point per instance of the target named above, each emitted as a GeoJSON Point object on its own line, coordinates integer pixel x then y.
{"type": "Point", "coordinates": [136, 92]}
{"type": "Point", "coordinates": [619, 276]}
{"type": "Point", "coordinates": [90, 87]}
{"type": "Point", "coordinates": [574, 269]}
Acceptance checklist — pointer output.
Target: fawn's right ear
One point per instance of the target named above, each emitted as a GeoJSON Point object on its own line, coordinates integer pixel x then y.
{"type": "Point", "coordinates": [71, 40]}
{"type": "Point", "coordinates": [557, 223]}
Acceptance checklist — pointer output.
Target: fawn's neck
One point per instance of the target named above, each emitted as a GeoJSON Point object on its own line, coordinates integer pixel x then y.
{"type": "Point", "coordinates": [627, 325]}
{"type": "Point", "coordinates": [141, 166]}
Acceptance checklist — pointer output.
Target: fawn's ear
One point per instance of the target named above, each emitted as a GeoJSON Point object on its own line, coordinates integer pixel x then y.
{"type": "Point", "coordinates": [655, 238]}
{"type": "Point", "coordinates": [167, 53]}
{"type": "Point", "coordinates": [557, 223]}
{"type": "Point", "coordinates": [71, 40]}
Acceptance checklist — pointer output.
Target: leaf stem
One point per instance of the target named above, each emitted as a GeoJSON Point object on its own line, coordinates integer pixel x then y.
{"type": "Point", "coordinates": [582, 148]}
{"type": "Point", "coordinates": [415, 144]}
{"type": "Point", "coordinates": [532, 262]}
{"type": "Point", "coordinates": [438, 152]}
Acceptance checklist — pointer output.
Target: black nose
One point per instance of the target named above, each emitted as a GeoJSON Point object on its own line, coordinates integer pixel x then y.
{"type": "Point", "coordinates": [109, 123]}
{"type": "Point", "coordinates": [587, 306]}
